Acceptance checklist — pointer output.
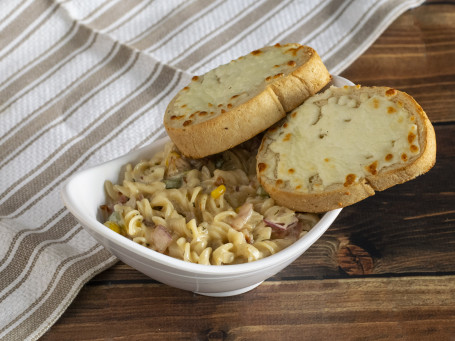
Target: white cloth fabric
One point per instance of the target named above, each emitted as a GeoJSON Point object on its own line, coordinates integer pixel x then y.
{"type": "Point", "coordinates": [82, 82]}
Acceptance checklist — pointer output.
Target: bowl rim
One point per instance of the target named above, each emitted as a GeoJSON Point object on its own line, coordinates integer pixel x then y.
{"type": "Point", "coordinates": [91, 223]}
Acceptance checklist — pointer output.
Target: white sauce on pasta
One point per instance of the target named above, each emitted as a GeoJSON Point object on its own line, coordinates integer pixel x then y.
{"type": "Point", "coordinates": [208, 211]}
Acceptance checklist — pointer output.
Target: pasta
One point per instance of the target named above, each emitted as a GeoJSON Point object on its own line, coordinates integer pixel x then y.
{"type": "Point", "coordinates": [209, 211]}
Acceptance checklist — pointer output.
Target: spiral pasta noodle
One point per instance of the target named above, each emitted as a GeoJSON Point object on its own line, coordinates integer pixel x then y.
{"type": "Point", "coordinates": [210, 211]}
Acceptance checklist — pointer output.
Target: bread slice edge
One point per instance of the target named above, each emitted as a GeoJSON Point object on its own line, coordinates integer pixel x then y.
{"type": "Point", "coordinates": [253, 116]}
{"type": "Point", "coordinates": [337, 195]}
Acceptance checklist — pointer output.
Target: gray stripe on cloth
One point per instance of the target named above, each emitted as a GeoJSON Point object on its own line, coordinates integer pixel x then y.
{"type": "Point", "coordinates": [96, 10]}
{"type": "Point", "coordinates": [52, 117]}
{"type": "Point", "coordinates": [124, 58]}
{"type": "Point", "coordinates": [308, 29]}
{"type": "Point", "coordinates": [10, 16]}
{"type": "Point", "coordinates": [158, 33]}
{"type": "Point", "coordinates": [22, 234]}
{"type": "Point", "coordinates": [161, 21]}
{"type": "Point", "coordinates": [17, 27]}
{"type": "Point", "coordinates": [73, 267]}
{"type": "Point", "coordinates": [119, 23]}
{"type": "Point", "coordinates": [22, 85]}
{"type": "Point", "coordinates": [113, 14]}
{"type": "Point", "coordinates": [17, 271]}
{"type": "Point", "coordinates": [93, 81]}
{"type": "Point", "coordinates": [211, 55]}
{"type": "Point", "coordinates": [71, 157]}
{"type": "Point", "coordinates": [230, 32]}
{"type": "Point", "coordinates": [32, 63]}
{"type": "Point", "coordinates": [88, 81]}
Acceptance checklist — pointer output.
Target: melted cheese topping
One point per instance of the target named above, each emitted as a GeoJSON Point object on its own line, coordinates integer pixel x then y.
{"type": "Point", "coordinates": [232, 84]}
{"type": "Point", "coordinates": [342, 139]}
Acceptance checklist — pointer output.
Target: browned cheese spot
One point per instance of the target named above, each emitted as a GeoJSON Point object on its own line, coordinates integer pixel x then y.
{"type": "Point", "coordinates": [186, 88]}
{"type": "Point", "coordinates": [388, 157]}
{"type": "Point", "coordinates": [256, 52]}
{"type": "Point", "coordinates": [411, 137]}
{"type": "Point", "coordinates": [183, 106]}
{"type": "Point", "coordinates": [262, 166]}
{"type": "Point", "coordinates": [235, 96]}
{"type": "Point", "coordinates": [279, 182]}
{"type": "Point", "coordinates": [358, 86]}
{"type": "Point", "coordinates": [346, 87]}
{"type": "Point", "coordinates": [223, 111]}
{"type": "Point", "coordinates": [372, 168]}
{"type": "Point", "coordinates": [292, 63]}
{"type": "Point", "coordinates": [194, 114]}
{"type": "Point", "coordinates": [390, 92]}
{"type": "Point", "coordinates": [287, 137]}
{"type": "Point", "coordinates": [210, 104]}
{"type": "Point", "coordinates": [277, 45]}
{"type": "Point", "coordinates": [173, 117]}
{"type": "Point", "coordinates": [326, 159]}
{"type": "Point", "coordinates": [375, 103]}
{"type": "Point", "coordinates": [412, 118]}
{"type": "Point", "coordinates": [285, 125]}
{"type": "Point", "coordinates": [391, 110]}
{"type": "Point", "coordinates": [294, 114]}
{"type": "Point", "coordinates": [404, 157]}
{"type": "Point", "coordinates": [187, 123]}
{"type": "Point", "coordinates": [278, 75]}
{"type": "Point", "coordinates": [195, 78]}
{"type": "Point", "coordinates": [294, 51]}
{"type": "Point", "coordinates": [268, 78]}
{"type": "Point", "coordinates": [291, 170]}
{"type": "Point", "coordinates": [203, 113]}
{"type": "Point", "coordinates": [220, 105]}
{"type": "Point", "coordinates": [400, 104]}
{"type": "Point", "coordinates": [229, 105]}
{"type": "Point", "coordinates": [414, 148]}
{"type": "Point", "coordinates": [350, 178]}
{"type": "Point", "coordinates": [298, 187]}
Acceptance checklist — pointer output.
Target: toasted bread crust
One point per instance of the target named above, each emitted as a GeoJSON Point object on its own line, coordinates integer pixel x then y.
{"type": "Point", "coordinates": [341, 195]}
{"type": "Point", "coordinates": [251, 117]}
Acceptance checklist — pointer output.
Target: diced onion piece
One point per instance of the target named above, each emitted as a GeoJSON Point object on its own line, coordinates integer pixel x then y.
{"type": "Point", "coordinates": [282, 227]}
{"type": "Point", "coordinates": [161, 238]}
{"type": "Point", "coordinates": [244, 213]}
{"type": "Point", "coordinates": [217, 192]}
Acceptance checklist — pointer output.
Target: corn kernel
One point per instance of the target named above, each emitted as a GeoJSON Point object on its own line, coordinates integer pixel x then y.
{"type": "Point", "coordinates": [113, 226]}
{"type": "Point", "coordinates": [174, 155]}
{"type": "Point", "coordinates": [217, 192]}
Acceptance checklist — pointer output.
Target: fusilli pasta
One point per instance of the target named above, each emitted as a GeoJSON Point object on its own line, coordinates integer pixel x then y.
{"type": "Point", "coordinates": [210, 211]}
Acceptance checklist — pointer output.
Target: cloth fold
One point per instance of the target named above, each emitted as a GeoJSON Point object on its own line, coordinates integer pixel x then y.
{"type": "Point", "coordinates": [82, 82]}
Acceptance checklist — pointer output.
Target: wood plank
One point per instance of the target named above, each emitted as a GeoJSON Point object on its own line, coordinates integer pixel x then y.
{"type": "Point", "coordinates": [380, 308]}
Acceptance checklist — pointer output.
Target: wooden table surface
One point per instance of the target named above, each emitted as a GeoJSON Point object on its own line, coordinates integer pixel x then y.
{"type": "Point", "coordinates": [384, 270]}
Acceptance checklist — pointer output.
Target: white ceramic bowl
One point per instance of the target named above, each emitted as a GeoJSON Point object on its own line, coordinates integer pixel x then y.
{"type": "Point", "coordinates": [84, 193]}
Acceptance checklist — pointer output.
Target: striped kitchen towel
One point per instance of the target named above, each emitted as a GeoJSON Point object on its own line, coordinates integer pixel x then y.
{"type": "Point", "coordinates": [82, 82]}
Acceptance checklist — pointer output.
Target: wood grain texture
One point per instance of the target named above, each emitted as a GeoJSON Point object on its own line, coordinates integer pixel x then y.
{"type": "Point", "coordinates": [385, 270]}
{"type": "Point", "coordinates": [379, 309]}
